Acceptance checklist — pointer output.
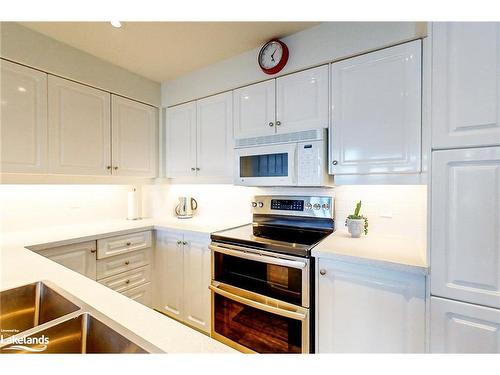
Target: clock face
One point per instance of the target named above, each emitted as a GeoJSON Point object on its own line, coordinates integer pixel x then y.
{"type": "Point", "coordinates": [273, 56]}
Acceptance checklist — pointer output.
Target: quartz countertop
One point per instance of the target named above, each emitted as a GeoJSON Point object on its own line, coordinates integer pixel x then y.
{"type": "Point", "coordinates": [20, 266]}
{"type": "Point", "coordinates": [381, 251]}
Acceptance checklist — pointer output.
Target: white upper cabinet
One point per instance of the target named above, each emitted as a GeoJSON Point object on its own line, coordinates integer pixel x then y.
{"type": "Point", "coordinates": [362, 309]}
{"type": "Point", "coordinates": [302, 100]}
{"type": "Point", "coordinates": [214, 148]}
{"type": "Point", "coordinates": [465, 84]}
{"type": "Point", "coordinates": [255, 109]}
{"type": "Point", "coordinates": [376, 112]}
{"type": "Point", "coordinates": [79, 129]}
{"type": "Point", "coordinates": [458, 327]}
{"type": "Point", "coordinates": [465, 241]}
{"type": "Point", "coordinates": [181, 140]}
{"type": "Point", "coordinates": [23, 118]}
{"type": "Point", "coordinates": [134, 130]}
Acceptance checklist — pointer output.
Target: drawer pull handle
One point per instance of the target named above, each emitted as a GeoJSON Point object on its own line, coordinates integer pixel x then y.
{"type": "Point", "coordinates": [92, 251]}
{"type": "Point", "coordinates": [127, 282]}
{"type": "Point", "coordinates": [127, 262]}
{"type": "Point", "coordinates": [322, 272]}
{"type": "Point", "coordinates": [129, 243]}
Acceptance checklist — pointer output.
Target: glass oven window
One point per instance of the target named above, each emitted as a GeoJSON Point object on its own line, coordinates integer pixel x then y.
{"type": "Point", "coordinates": [280, 282]}
{"type": "Point", "coordinates": [258, 330]}
{"type": "Point", "coordinates": [269, 165]}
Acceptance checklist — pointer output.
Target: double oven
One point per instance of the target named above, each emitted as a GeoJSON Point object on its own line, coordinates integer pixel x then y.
{"type": "Point", "coordinates": [262, 275]}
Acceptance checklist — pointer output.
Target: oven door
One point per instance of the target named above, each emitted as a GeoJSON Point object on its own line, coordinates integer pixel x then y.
{"type": "Point", "coordinates": [278, 276]}
{"type": "Point", "coordinates": [271, 165]}
{"type": "Point", "coordinates": [251, 322]}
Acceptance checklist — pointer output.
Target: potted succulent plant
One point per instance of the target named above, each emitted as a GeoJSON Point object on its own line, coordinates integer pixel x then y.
{"type": "Point", "coordinates": [356, 223]}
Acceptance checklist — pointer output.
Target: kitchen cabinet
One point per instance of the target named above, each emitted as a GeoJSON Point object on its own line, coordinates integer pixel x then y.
{"type": "Point", "coordinates": [255, 109]}
{"type": "Point", "coordinates": [295, 102]}
{"type": "Point", "coordinates": [458, 327]}
{"type": "Point", "coordinates": [302, 100]}
{"type": "Point", "coordinates": [134, 131]}
{"type": "Point", "coordinates": [368, 309]}
{"type": "Point", "coordinates": [142, 294]}
{"type": "Point", "coordinates": [24, 119]}
{"type": "Point", "coordinates": [465, 245]}
{"type": "Point", "coordinates": [214, 141]}
{"type": "Point", "coordinates": [79, 129]}
{"type": "Point", "coordinates": [376, 112]}
{"type": "Point", "coordinates": [200, 138]}
{"type": "Point", "coordinates": [182, 277]}
{"type": "Point", "coordinates": [80, 257]}
{"type": "Point", "coordinates": [465, 84]}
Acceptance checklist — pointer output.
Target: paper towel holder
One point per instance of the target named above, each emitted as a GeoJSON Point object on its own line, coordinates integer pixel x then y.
{"type": "Point", "coordinates": [133, 206]}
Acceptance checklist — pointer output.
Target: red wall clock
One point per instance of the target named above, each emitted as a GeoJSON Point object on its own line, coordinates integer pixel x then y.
{"type": "Point", "coordinates": [273, 56]}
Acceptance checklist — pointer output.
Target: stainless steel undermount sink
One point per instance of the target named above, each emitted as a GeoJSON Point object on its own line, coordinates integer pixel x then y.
{"type": "Point", "coordinates": [42, 318]}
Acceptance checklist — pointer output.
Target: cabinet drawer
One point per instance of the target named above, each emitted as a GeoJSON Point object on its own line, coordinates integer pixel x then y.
{"type": "Point", "coordinates": [121, 263]}
{"type": "Point", "coordinates": [141, 294]}
{"type": "Point", "coordinates": [128, 280]}
{"type": "Point", "coordinates": [112, 246]}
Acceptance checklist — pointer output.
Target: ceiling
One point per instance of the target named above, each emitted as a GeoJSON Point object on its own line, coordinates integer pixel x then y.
{"type": "Point", "coordinates": [165, 50]}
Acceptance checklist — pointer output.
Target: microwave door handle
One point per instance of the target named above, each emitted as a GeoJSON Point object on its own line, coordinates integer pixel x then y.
{"type": "Point", "coordinates": [259, 258]}
{"type": "Point", "coordinates": [259, 305]}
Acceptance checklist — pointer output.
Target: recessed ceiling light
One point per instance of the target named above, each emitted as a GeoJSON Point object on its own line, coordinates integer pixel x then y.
{"type": "Point", "coordinates": [116, 23]}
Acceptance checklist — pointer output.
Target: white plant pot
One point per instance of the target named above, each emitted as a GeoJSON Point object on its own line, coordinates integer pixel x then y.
{"type": "Point", "coordinates": [355, 227]}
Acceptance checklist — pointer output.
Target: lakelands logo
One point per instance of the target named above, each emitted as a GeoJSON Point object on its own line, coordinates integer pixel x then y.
{"type": "Point", "coordinates": [30, 344]}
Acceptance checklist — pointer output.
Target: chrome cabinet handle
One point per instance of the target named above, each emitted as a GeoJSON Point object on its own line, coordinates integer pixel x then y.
{"type": "Point", "coordinates": [108, 167]}
{"type": "Point", "coordinates": [193, 168]}
{"type": "Point", "coordinates": [127, 262]}
{"type": "Point", "coordinates": [322, 272]}
{"type": "Point", "coordinates": [271, 124]}
{"type": "Point", "coordinates": [179, 242]}
{"type": "Point", "coordinates": [335, 162]}
{"type": "Point", "coordinates": [116, 168]}
{"type": "Point", "coordinates": [197, 169]}
{"type": "Point", "coordinates": [184, 242]}
{"type": "Point", "coordinates": [278, 123]}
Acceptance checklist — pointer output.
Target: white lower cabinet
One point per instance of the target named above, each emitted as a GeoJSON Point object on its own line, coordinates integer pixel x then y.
{"type": "Point", "coordinates": [182, 277]}
{"type": "Point", "coordinates": [142, 294]}
{"type": "Point", "coordinates": [458, 327]}
{"type": "Point", "coordinates": [79, 257]}
{"type": "Point", "coordinates": [362, 309]}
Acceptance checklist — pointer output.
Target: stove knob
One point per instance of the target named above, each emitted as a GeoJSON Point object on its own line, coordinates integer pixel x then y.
{"type": "Point", "coordinates": [309, 206]}
{"type": "Point", "coordinates": [317, 206]}
{"type": "Point", "coordinates": [261, 204]}
{"type": "Point", "coordinates": [254, 204]}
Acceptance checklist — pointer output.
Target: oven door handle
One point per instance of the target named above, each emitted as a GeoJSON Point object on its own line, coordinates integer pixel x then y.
{"type": "Point", "coordinates": [297, 315]}
{"type": "Point", "coordinates": [259, 258]}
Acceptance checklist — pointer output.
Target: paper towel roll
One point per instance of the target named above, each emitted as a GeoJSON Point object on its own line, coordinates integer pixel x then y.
{"type": "Point", "coordinates": [133, 205]}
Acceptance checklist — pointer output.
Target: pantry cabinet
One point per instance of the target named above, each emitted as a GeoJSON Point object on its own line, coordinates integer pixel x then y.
{"type": "Point", "coordinates": [23, 134]}
{"type": "Point", "coordinates": [79, 129]}
{"type": "Point", "coordinates": [465, 245]}
{"type": "Point", "coordinates": [458, 327]}
{"type": "Point", "coordinates": [80, 257]}
{"type": "Point", "coordinates": [134, 132]}
{"type": "Point", "coordinates": [294, 102]}
{"type": "Point", "coordinates": [200, 138]}
{"type": "Point", "coordinates": [182, 277]}
{"type": "Point", "coordinates": [465, 84]}
{"type": "Point", "coordinates": [376, 112]}
{"type": "Point", "coordinates": [364, 309]}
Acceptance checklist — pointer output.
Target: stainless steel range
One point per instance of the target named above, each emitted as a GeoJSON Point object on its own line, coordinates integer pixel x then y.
{"type": "Point", "coordinates": [262, 275]}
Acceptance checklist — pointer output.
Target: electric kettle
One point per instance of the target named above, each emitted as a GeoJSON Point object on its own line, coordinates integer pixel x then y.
{"type": "Point", "coordinates": [186, 207]}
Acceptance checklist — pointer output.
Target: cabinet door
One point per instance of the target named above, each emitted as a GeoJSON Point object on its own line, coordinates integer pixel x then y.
{"type": "Point", "coordinates": [79, 129]}
{"type": "Point", "coordinates": [458, 327]}
{"type": "Point", "coordinates": [376, 112]}
{"type": "Point", "coordinates": [214, 116]}
{"type": "Point", "coordinates": [254, 110]}
{"type": "Point", "coordinates": [80, 257]}
{"type": "Point", "coordinates": [134, 128]}
{"type": "Point", "coordinates": [302, 100]}
{"type": "Point", "coordinates": [465, 241]}
{"type": "Point", "coordinates": [168, 275]}
{"type": "Point", "coordinates": [181, 140]}
{"type": "Point", "coordinates": [366, 309]}
{"type": "Point", "coordinates": [24, 119]}
{"type": "Point", "coordinates": [465, 84]}
{"type": "Point", "coordinates": [197, 280]}
{"type": "Point", "coordinates": [141, 294]}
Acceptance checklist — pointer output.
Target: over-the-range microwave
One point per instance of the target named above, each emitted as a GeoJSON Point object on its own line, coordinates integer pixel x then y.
{"type": "Point", "coordinates": [288, 159]}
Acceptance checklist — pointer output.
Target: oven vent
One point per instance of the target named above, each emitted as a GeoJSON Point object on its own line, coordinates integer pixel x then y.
{"type": "Point", "coordinates": [306, 135]}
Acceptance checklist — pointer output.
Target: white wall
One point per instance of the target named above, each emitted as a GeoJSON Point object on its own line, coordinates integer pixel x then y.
{"type": "Point", "coordinates": [25, 46]}
{"type": "Point", "coordinates": [320, 44]}
{"type": "Point", "coordinates": [26, 207]}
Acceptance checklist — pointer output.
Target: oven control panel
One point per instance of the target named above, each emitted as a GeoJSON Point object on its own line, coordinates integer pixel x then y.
{"type": "Point", "coordinates": [319, 206]}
